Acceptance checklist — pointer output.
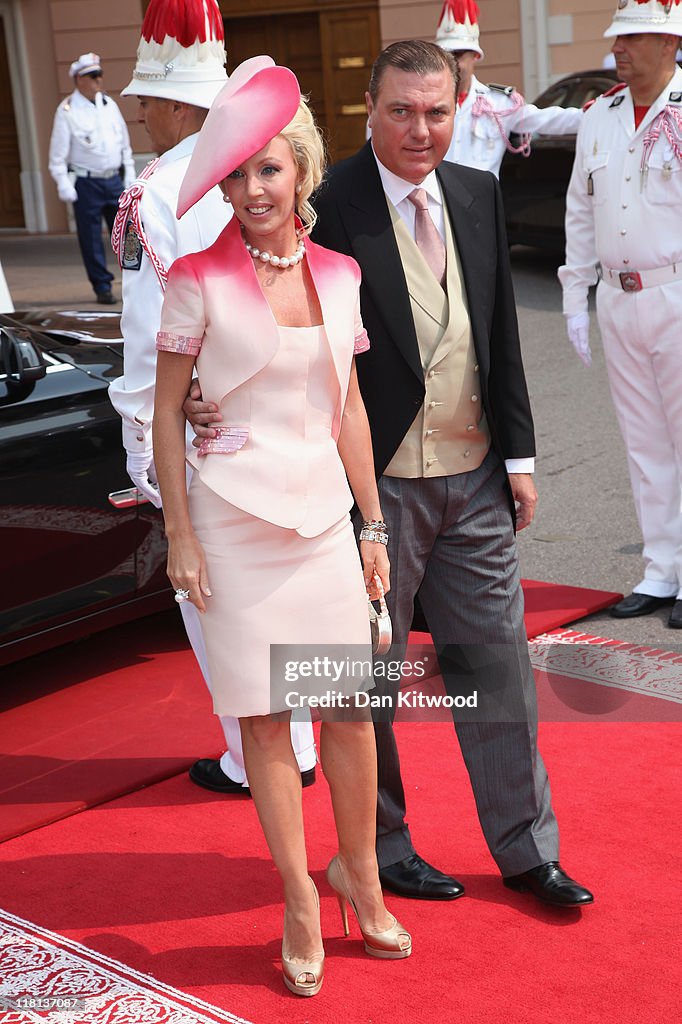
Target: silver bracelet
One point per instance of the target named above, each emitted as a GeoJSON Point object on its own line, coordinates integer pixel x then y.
{"type": "Point", "coordinates": [375, 524]}
{"type": "Point", "coordinates": [377, 536]}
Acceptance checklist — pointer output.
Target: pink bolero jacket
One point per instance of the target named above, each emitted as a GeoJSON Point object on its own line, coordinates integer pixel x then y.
{"type": "Point", "coordinates": [214, 309]}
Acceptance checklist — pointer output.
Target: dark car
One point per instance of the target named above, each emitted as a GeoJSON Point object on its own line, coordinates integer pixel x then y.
{"type": "Point", "coordinates": [73, 561]}
{"type": "Point", "coordinates": [534, 187]}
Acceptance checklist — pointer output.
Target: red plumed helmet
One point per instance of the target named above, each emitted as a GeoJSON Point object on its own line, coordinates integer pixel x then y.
{"type": "Point", "coordinates": [181, 55]}
{"type": "Point", "coordinates": [185, 20]}
{"type": "Point", "coordinates": [458, 26]}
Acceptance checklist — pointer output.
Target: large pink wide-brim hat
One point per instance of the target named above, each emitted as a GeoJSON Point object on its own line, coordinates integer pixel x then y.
{"type": "Point", "coordinates": [260, 99]}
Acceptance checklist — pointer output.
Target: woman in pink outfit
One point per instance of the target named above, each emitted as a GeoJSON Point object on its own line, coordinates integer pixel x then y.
{"type": "Point", "coordinates": [263, 543]}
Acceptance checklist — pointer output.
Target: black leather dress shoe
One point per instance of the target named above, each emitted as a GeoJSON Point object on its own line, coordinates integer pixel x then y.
{"type": "Point", "coordinates": [675, 620]}
{"type": "Point", "coordinates": [417, 880]}
{"type": "Point", "coordinates": [209, 774]}
{"type": "Point", "coordinates": [550, 883]}
{"type": "Point", "coordinates": [106, 298]}
{"type": "Point", "coordinates": [638, 604]}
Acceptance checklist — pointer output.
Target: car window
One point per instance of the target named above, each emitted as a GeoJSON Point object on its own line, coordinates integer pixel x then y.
{"type": "Point", "coordinates": [587, 89]}
{"type": "Point", "coordinates": [556, 96]}
{"type": "Point", "coordinates": [591, 92]}
{"type": "Point", "coordinates": [576, 90]}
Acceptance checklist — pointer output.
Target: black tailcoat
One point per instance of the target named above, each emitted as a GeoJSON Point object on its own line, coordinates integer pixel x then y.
{"type": "Point", "coordinates": [354, 219]}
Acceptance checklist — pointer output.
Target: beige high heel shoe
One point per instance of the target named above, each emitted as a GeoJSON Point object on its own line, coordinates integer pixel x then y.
{"type": "Point", "coordinates": [393, 944]}
{"type": "Point", "coordinates": [303, 977]}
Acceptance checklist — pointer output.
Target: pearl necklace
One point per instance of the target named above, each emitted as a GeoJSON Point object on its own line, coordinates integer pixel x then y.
{"type": "Point", "coordinates": [277, 261]}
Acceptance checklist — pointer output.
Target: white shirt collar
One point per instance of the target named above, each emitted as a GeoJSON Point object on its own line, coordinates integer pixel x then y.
{"type": "Point", "coordinates": [674, 85]}
{"type": "Point", "coordinates": [476, 89]}
{"type": "Point", "coordinates": [78, 98]}
{"type": "Point", "coordinates": [398, 189]}
{"type": "Point", "coordinates": [184, 148]}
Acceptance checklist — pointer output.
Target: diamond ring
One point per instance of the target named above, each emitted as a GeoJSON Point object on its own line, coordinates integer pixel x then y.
{"type": "Point", "coordinates": [181, 595]}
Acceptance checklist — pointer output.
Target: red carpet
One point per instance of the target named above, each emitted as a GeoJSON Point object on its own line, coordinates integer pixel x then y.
{"type": "Point", "coordinates": [176, 883]}
{"type": "Point", "coordinates": [74, 723]}
{"type": "Point", "coordinates": [548, 605]}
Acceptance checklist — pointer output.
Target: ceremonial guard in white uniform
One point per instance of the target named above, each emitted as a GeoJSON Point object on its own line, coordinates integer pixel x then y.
{"type": "Point", "coordinates": [88, 148]}
{"type": "Point", "coordinates": [176, 85]}
{"type": "Point", "coordinates": [488, 114]}
{"type": "Point", "coordinates": [624, 225]}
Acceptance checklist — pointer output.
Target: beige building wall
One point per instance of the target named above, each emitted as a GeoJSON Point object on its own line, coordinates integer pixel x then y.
{"type": "Point", "coordinates": [500, 32]}
{"type": "Point", "coordinates": [575, 34]}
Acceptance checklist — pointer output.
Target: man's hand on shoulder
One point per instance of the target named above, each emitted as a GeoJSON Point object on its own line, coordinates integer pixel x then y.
{"type": "Point", "coordinates": [200, 414]}
{"type": "Point", "coordinates": [525, 496]}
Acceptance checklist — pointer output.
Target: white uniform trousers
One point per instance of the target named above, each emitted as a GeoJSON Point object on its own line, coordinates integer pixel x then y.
{"type": "Point", "coordinates": [232, 761]}
{"type": "Point", "coordinates": [641, 338]}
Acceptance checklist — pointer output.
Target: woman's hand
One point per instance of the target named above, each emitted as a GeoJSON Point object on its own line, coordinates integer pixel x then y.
{"type": "Point", "coordinates": [187, 568]}
{"type": "Point", "coordinates": [375, 559]}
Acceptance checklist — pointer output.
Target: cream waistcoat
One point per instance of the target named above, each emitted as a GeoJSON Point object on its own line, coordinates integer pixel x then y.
{"type": "Point", "coordinates": [449, 434]}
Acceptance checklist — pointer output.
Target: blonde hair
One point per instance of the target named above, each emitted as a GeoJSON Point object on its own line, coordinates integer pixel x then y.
{"type": "Point", "coordinates": [307, 145]}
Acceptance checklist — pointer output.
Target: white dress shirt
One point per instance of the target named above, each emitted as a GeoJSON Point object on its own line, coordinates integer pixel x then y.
{"type": "Point", "coordinates": [397, 190]}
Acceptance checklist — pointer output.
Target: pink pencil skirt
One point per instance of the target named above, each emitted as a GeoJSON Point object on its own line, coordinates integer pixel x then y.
{"type": "Point", "coordinates": [271, 586]}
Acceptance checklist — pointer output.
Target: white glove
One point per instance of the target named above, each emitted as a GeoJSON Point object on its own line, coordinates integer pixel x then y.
{"type": "Point", "coordinates": [140, 469]}
{"type": "Point", "coordinates": [66, 191]}
{"type": "Point", "coordinates": [579, 335]}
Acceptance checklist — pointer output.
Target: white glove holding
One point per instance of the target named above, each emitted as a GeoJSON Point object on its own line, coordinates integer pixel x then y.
{"type": "Point", "coordinates": [140, 469]}
{"type": "Point", "coordinates": [66, 191]}
{"type": "Point", "coordinates": [579, 335]}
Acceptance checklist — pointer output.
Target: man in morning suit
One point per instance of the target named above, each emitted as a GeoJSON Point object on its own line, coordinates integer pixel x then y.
{"type": "Point", "coordinates": [452, 432]}
{"type": "Point", "coordinates": [446, 396]}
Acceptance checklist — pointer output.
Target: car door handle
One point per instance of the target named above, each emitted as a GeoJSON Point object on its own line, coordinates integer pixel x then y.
{"type": "Point", "coordinates": [127, 498]}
